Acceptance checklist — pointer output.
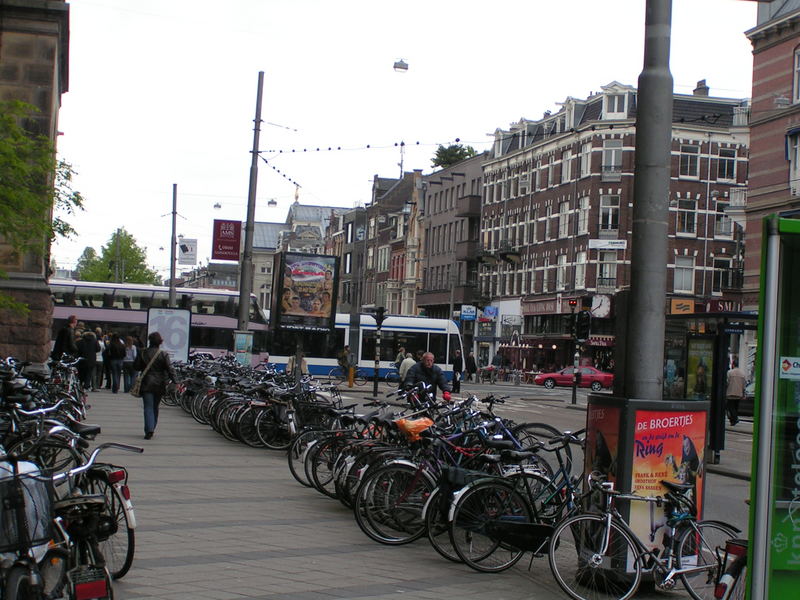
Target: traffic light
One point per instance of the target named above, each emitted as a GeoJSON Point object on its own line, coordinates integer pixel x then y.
{"type": "Point", "coordinates": [583, 326]}
{"type": "Point", "coordinates": [380, 315]}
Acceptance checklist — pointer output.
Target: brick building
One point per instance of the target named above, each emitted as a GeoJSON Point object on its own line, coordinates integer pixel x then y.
{"type": "Point", "coordinates": [557, 209]}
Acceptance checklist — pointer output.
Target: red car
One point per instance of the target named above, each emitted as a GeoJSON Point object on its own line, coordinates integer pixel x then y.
{"type": "Point", "coordinates": [590, 377]}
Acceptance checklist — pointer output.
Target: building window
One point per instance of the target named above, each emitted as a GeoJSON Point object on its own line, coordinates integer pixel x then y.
{"type": "Point", "coordinates": [349, 233]}
{"type": "Point", "coordinates": [615, 106]}
{"type": "Point", "coordinates": [561, 272]}
{"type": "Point", "coordinates": [545, 282]}
{"type": "Point", "coordinates": [690, 161]}
{"type": "Point", "coordinates": [723, 224]}
{"type": "Point", "coordinates": [722, 274]}
{"type": "Point", "coordinates": [548, 215]}
{"type": "Point", "coordinates": [612, 160]}
{"type": "Point", "coordinates": [580, 270]}
{"type": "Point", "coordinates": [609, 213]}
{"type": "Point", "coordinates": [726, 164]}
{"type": "Point", "coordinates": [537, 183]}
{"type": "Point", "coordinates": [583, 215]}
{"type": "Point", "coordinates": [586, 159]}
{"type": "Point", "coordinates": [563, 219]}
{"type": "Point", "coordinates": [383, 258]}
{"type": "Point", "coordinates": [369, 257]}
{"type": "Point", "coordinates": [683, 280]}
{"type": "Point", "coordinates": [793, 147]}
{"type": "Point", "coordinates": [551, 171]}
{"type": "Point", "coordinates": [606, 268]}
{"type": "Point", "coordinates": [796, 86]}
{"type": "Point", "coordinates": [686, 219]}
{"type": "Point", "coordinates": [566, 166]}
{"type": "Point", "coordinates": [348, 262]}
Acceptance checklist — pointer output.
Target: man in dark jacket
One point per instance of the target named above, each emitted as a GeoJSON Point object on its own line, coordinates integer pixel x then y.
{"type": "Point", "coordinates": [427, 372]}
{"type": "Point", "coordinates": [65, 340]}
{"type": "Point", "coordinates": [458, 371]}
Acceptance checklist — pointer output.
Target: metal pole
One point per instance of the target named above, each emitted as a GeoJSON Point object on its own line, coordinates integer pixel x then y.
{"type": "Point", "coordinates": [246, 276]}
{"type": "Point", "coordinates": [172, 245]}
{"type": "Point", "coordinates": [377, 360]}
{"type": "Point", "coordinates": [644, 346]}
{"type": "Point", "coordinates": [577, 354]}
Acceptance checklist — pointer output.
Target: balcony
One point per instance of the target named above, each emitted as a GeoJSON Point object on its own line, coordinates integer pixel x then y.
{"type": "Point", "coordinates": [606, 284]}
{"type": "Point", "coordinates": [486, 255]}
{"type": "Point", "coordinates": [467, 250]}
{"type": "Point", "coordinates": [611, 173]}
{"type": "Point", "coordinates": [738, 198]}
{"type": "Point", "coordinates": [469, 206]}
{"type": "Point", "coordinates": [508, 253]}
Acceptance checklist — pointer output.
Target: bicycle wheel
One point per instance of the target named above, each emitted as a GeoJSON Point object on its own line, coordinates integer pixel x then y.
{"type": "Point", "coordinates": [392, 378]}
{"type": "Point", "coordinates": [297, 454]}
{"type": "Point", "coordinates": [479, 517]}
{"type": "Point", "coordinates": [588, 568]}
{"type": "Point", "coordinates": [702, 545]}
{"type": "Point", "coordinates": [272, 431]}
{"type": "Point", "coordinates": [361, 377]}
{"type": "Point", "coordinates": [119, 548]}
{"type": "Point", "coordinates": [18, 586]}
{"type": "Point", "coordinates": [388, 505]}
{"type": "Point", "coordinates": [336, 376]}
{"type": "Point", "coordinates": [437, 524]}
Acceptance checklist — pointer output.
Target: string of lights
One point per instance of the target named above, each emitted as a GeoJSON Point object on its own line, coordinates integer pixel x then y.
{"type": "Point", "coordinates": [281, 173]}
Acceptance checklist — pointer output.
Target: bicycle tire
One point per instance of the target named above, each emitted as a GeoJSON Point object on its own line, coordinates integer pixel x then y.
{"type": "Point", "coordinates": [437, 525]}
{"type": "Point", "coordinates": [336, 376]}
{"type": "Point", "coordinates": [703, 544]}
{"type": "Point", "coordinates": [18, 586]}
{"type": "Point", "coordinates": [392, 378]}
{"type": "Point", "coordinates": [360, 377]}
{"type": "Point", "coordinates": [297, 454]}
{"type": "Point", "coordinates": [245, 427]}
{"type": "Point", "coordinates": [475, 515]}
{"type": "Point", "coordinates": [389, 503]}
{"type": "Point", "coordinates": [273, 433]}
{"type": "Point", "coordinates": [120, 547]}
{"type": "Point", "coordinates": [582, 571]}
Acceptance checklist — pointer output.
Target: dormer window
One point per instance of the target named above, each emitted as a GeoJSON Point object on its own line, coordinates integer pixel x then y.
{"type": "Point", "coordinates": [616, 106]}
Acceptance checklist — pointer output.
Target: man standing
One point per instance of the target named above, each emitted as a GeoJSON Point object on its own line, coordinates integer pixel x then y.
{"type": "Point", "coordinates": [344, 360]}
{"type": "Point", "coordinates": [734, 391]}
{"type": "Point", "coordinates": [407, 363]}
{"type": "Point", "coordinates": [472, 367]}
{"type": "Point", "coordinates": [458, 370]}
{"type": "Point", "coordinates": [401, 356]}
{"type": "Point", "coordinates": [430, 374]}
{"type": "Point", "coordinates": [65, 340]}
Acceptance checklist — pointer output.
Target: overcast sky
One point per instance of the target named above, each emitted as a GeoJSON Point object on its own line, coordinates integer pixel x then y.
{"type": "Point", "coordinates": [164, 91]}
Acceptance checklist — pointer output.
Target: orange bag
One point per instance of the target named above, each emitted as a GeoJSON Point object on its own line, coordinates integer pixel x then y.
{"type": "Point", "coordinates": [412, 427]}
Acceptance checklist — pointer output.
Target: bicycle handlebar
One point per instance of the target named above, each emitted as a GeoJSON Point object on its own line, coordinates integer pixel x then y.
{"type": "Point", "coordinates": [95, 453]}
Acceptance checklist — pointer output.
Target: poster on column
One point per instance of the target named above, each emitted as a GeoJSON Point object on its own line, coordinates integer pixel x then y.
{"type": "Point", "coordinates": [602, 440]}
{"type": "Point", "coordinates": [667, 445]}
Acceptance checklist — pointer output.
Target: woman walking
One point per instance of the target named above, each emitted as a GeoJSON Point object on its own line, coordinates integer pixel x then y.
{"type": "Point", "coordinates": [156, 371]}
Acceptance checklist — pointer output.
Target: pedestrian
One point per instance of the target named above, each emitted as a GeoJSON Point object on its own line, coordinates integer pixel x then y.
{"type": "Point", "coordinates": [115, 351]}
{"type": "Point", "coordinates": [291, 362]}
{"type": "Point", "coordinates": [128, 372]}
{"type": "Point", "coordinates": [458, 369]}
{"type": "Point", "coordinates": [734, 391]}
{"type": "Point", "coordinates": [65, 340]}
{"type": "Point", "coordinates": [472, 367]}
{"type": "Point", "coordinates": [344, 360]}
{"type": "Point", "coordinates": [430, 374]}
{"type": "Point", "coordinates": [104, 340]}
{"type": "Point", "coordinates": [407, 363]}
{"type": "Point", "coordinates": [494, 368]}
{"type": "Point", "coordinates": [87, 349]}
{"type": "Point", "coordinates": [97, 383]}
{"type": "Point", "coordinates": [401, 356]}
{"type": "Point", "coordinates": [157, 371]}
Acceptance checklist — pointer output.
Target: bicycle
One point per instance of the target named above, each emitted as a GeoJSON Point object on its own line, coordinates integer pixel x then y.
{"type": "Point", "coordinates": [731, 585]}
{"type": "Point", "coordinates": [598, 555]}
{"type": "Point", "coordinates": [392, 377]}
{"type": "Point", "coordinates": [337, 376]}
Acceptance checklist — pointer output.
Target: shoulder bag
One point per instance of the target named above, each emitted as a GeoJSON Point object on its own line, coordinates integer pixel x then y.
{"type": "Point", "coordinates": [136, 389]}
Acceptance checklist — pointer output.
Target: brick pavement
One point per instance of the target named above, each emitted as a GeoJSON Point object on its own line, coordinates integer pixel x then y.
{"type": "Point", "coordinates": [218, 520]}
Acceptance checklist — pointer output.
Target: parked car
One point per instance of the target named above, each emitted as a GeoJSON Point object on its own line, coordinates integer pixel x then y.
{"type": "Point", "coordinates": [589, 377]}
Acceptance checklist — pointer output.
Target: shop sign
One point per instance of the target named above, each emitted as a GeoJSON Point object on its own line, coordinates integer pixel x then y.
{"type": "Point", "coordinates": [608, 244]}
{"type": "Point", "coordinates": [490, 313]}
{"type": "Point", "coordinates": [715, 306]}
{"type": "Point", "coordinates": [468, 312]}
{"type": "Point", "coordinates": [790, 368]}
{"type": "Point", "coordinates": [539, 308]}
{"type": "Point", "coordinates": [681, 306]}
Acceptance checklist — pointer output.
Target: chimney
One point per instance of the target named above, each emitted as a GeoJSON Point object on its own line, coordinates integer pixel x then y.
{"type": "Point", "coordinates": [701, 89]}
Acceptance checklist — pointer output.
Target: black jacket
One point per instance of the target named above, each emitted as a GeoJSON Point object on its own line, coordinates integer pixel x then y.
{"type": "Point", "coordinates": [159, 373]}
{"type": "Point", "coordinates": [116, 350]}
{"type": "Point", "coordinates": [88, 347]}
{"type": "Point", "coordinates": [458, 364]}
{"type": "Point", "coordinates": [65, 343]}
{"type": "Point", "coordinates": [433, 377]}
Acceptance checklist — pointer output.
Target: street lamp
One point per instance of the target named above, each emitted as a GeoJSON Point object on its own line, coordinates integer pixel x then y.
{"type": "Point", "coordinates": [400, 66]}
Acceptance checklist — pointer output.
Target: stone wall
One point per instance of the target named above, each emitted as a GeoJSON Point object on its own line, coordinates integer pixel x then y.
{"type": "Point", "coordinates": [27, 337]}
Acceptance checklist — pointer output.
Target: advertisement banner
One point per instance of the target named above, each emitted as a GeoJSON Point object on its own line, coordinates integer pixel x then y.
{"type": "Point", "coordinates": [187, 251]}
{"type": "Point", "coordinates": [307, 298]}
{"type": "Point", "coordinates": [699, 368]}
{"type": "Point", "coordinates": [489, 313]}
{"type": "Point", "coordinates": [174, 325]}
{"type": "Point", "coordinates": [667, 445]}
{"type": "Point", "coordinates": [468, 312]}
{"type": "Point", "coordinates": [602, 440]}
{"type": "Point", "coordinates": [226, 240]}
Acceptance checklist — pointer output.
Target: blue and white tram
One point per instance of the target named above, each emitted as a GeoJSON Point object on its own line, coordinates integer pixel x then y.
{"type": "Point", "coordinates": [439, 336]}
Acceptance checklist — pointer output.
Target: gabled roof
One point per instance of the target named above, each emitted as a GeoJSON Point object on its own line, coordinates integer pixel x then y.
{"type": "Point", "coordinates": [265, 235]}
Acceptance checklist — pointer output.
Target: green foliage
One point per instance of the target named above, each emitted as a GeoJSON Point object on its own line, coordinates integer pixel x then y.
{"type": "Point", "coordinates": [34, 186]}
{"type": "Point", "coordinates": [451, 155]}
{"type": "Point", "coordinates": [121, 259]}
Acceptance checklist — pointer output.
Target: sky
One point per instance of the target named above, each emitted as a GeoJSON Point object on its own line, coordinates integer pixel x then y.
{"type": "Point", "coordinates": [163, 92]}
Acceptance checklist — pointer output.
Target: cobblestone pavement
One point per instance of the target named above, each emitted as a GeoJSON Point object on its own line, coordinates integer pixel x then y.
{"type": "Point", "coordinates": [218, 520]}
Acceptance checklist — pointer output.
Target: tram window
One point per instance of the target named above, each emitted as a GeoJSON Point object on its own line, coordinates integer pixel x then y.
{"type": "Point", "coordinates": [63, 297]}
{"type": "Point", "coordinates": [211, 337]}
{"type": "Point", "coordinates": [455, 344]}
{"type": "Point", "coordinates": [438, 345]}
{"type": "Point", "coordinates": [161, 299]}
{"type": "Point", "coordinates": [185, 301]}
{"type": "Point", "coordinates": [412, 342]}
{"type": "Point", "coordinates": [108, 300]}
{"type": "Point", "coordinates": [259, 341]}
{"type": "Point", "coordinates": [126, 302]}
{"type": "Point", "coordinates": [89, 297]}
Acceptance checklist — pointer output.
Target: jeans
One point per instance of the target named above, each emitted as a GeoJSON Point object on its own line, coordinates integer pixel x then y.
{"type": "Point", "coordinates": [128, 375]}
{"type": "Point", "coordinates": [116, 373]}
{"type": "Point", "coordinates": [98, 375]}
{"type": "Point", "coordinates": [150, 402]}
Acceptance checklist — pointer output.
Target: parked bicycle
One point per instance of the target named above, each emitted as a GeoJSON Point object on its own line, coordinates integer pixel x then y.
{"type": "Point", "coordinates": [337, 376]}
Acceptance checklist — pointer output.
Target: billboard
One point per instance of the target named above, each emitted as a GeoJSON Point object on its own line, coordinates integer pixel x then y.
{"type": "Point", "coordinates": [306, 286]}
{"type": "Point", "coordinates": [226, 240]}
{"type": "Point", "coordinates": [174, 325]}
{"type": "Point", "coordinates": [187, 251]}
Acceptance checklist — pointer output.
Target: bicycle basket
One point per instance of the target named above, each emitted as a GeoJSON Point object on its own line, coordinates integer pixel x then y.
{"type": "Point", "coordinates": [413, 427]}
{"type": "Point", "coordinates": [37, 494]}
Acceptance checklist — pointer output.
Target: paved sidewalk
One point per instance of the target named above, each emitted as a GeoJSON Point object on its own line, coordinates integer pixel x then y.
{"type": "Point", "coordinates": [219, 520]}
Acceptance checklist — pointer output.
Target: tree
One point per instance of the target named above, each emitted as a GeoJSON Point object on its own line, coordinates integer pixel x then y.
{"type": "Point", "coordinates": [35, 188]}
{"type": "Point", "coordinates": [121, 259]}
{"type": "Point", "coordinates": [452, 154]}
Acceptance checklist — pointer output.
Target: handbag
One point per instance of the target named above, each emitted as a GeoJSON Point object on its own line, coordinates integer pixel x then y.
{"type": "Point", "coordinates": [136, 388]}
